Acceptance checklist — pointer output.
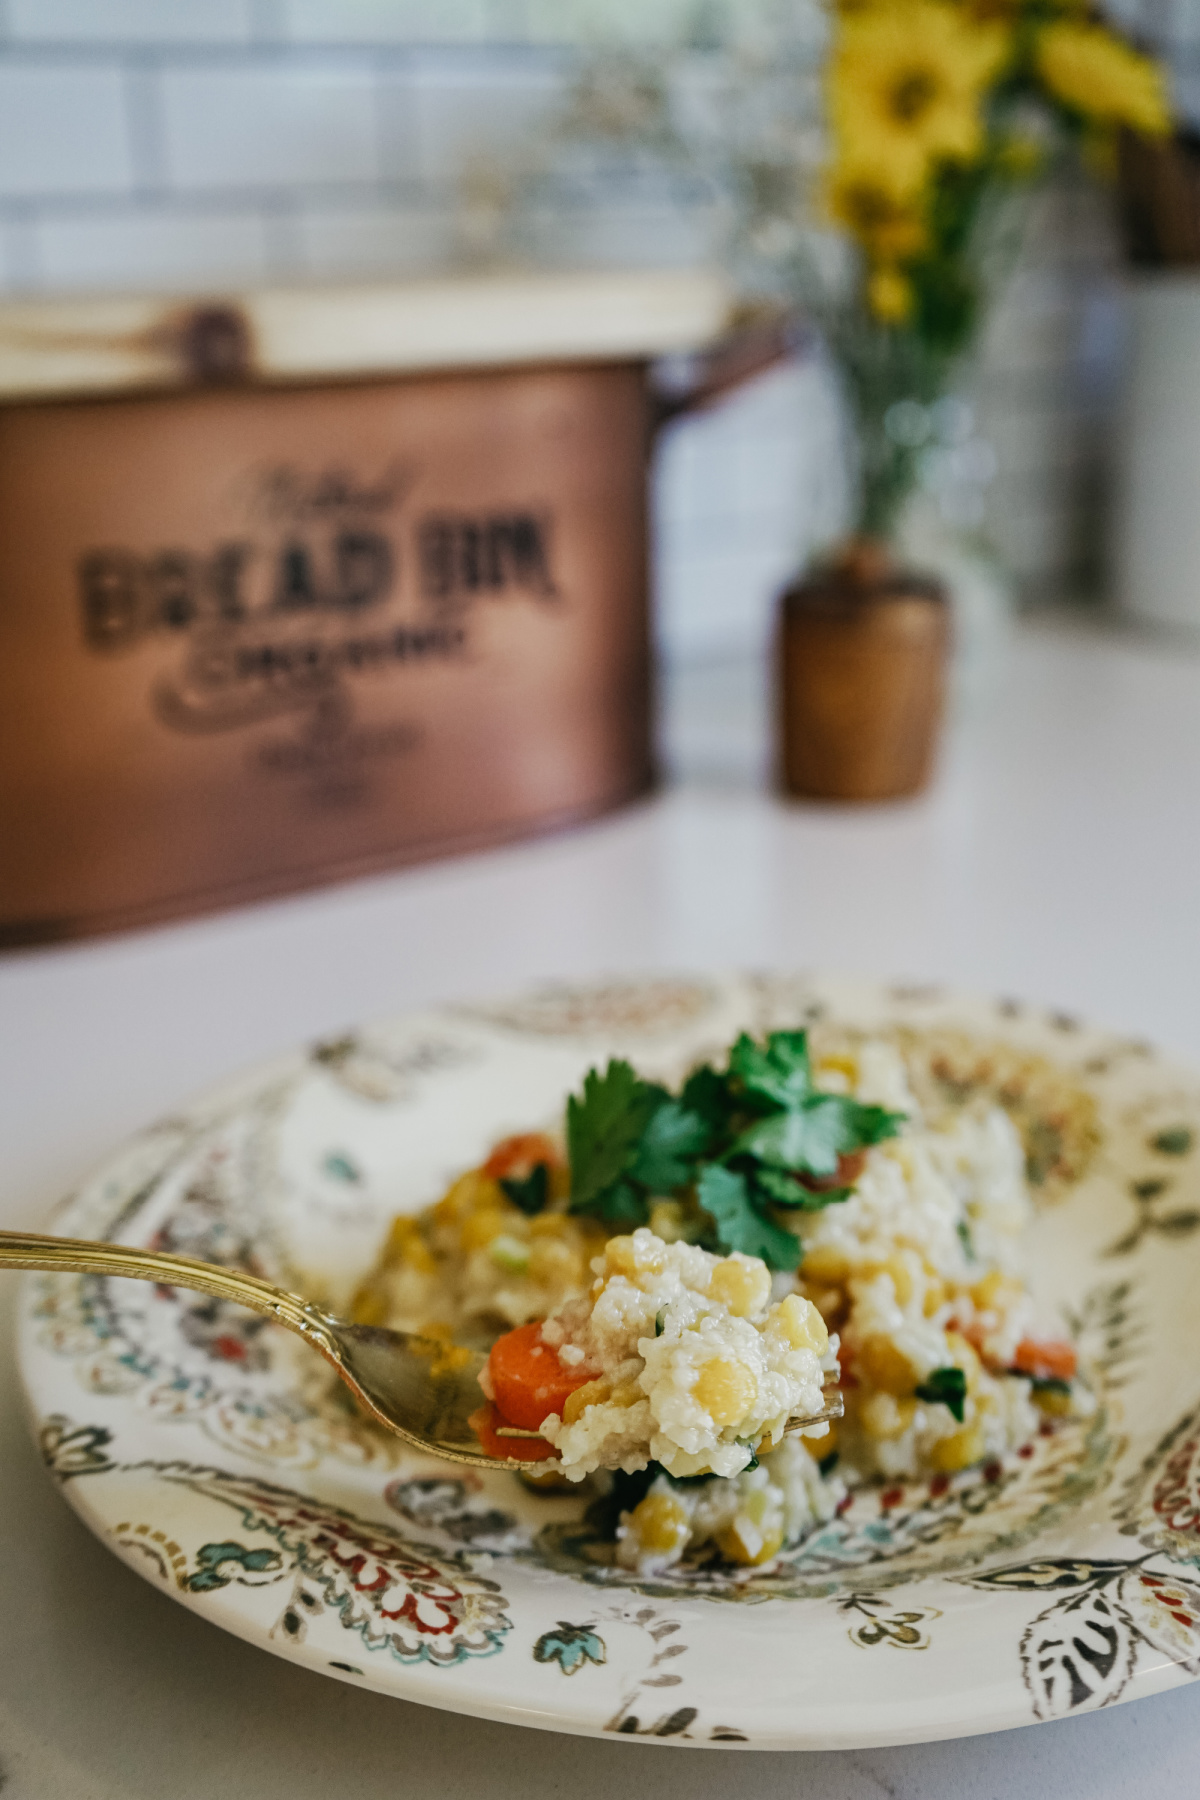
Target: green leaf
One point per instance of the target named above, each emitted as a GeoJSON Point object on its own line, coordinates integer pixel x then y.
{"type": "Point", "coordinates": [671, 1142]}
{"type": "Point", "coordinates": [707, 1093]}
{"type": "Point", "coordinates": [531, 1192]}
{"type": "Point", "coordinates": [947, 1386]}
{"type": "Point", "coordinates": [872, 1124]}
{"type": "Point", "coordinates": [1176, 1140]}
{"type": "Point", "coordinates": [779, 1074]}
{"type": "Point", "coordinates": [781, 1189]}
{"type": "Point", "coordinates": [812, 1138]}
{"type": "Point", "coordinates": [621, 1204]}
{"type": "Point", "coordinates": [725, 1196]}
{"type": "Point", "coordinates": [604, 1129]}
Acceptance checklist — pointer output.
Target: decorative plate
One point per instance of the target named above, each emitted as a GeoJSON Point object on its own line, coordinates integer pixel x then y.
{"type": "Point", "coordinates": [214, 1454]}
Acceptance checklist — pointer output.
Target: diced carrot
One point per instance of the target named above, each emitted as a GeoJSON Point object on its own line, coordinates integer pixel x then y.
{"type": "Point", "coordinates": [483, 1424]}
{"type": "Point", "coordinates": [1049, 1359]}
{"type": "Point", "coordinates": [972, 1330]}
{"type": "Point", "coordinates": [528, 1381]}
{"type": "Point", "coordinates": [850, 1167]}
{"type": "Point", "coordinates": [520, 1155]}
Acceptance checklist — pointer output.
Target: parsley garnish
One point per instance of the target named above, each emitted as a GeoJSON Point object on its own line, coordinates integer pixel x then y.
{"type": "Point", "coordinates": [744, 1141]}
{"type": "Point", "coordinates": [947, 1385]}
{"type": "Point", "coordinates": [531, 1192]}
{"type": "Point", "coordinates": [725, 1196]}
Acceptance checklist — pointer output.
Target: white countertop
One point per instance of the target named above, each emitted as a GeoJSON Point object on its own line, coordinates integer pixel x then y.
{"type": "Point", "coordinates": [1057, 858]}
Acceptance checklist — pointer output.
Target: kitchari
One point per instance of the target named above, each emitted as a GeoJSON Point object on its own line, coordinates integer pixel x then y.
{"type": "Point", "coordinates": [681, 1274]}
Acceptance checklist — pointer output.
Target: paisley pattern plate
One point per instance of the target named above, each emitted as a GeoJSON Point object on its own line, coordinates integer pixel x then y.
{"type": "Point", "coordinates": [214, 1454]}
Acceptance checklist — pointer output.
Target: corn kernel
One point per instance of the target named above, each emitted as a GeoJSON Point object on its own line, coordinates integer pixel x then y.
{"type": "Point", "coordinates": [746, 1539]}
{"type": "Point", "coordinates": [592, 1393]}
{"type": "Point", "coordinates": [401, 1231]}
{"type": "Point", "coordinates": [801, 1323]}
{"type": "Point", "coordinates": [661, 1523]}
{"type": "Point", "coordinates": [885, 1366]}
{"type": "Point", "coordinates": [959, 1451]}
{"type": "Point", "coordinates": [480, 1228]}
{"type": "Point", "coordinates": [725, 1389]}
{"type": "Point", "coordinates": [740, 1284]}
{"type": "Point", "coordinates": [964, 1354]}
{"type": "Point", "coordinates": [826, 1265]}
{"type": "Point", "coordinates": [994, 1290]}
{"type": "Point", "coordinates": [935, 1297]}
{"type": "Point", "coordinates": [620, 1257]}
{"type": "Point", "coordinates": [468, 1194]}
{"type": "Point", "coordinates": [550, 1225]}
{"type": "Point", "coordinates": [900, 1270]}
{"type": "Point", "coordinates": [883, 1416]}
{"type": "Point", "coordinates": [551, 1482]}
{"type": "Point", "coordinates": [667, 1220]}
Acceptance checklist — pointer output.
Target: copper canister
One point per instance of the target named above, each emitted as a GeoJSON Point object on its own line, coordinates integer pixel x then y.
{"type": "Point", "coordinates": [270, 617]}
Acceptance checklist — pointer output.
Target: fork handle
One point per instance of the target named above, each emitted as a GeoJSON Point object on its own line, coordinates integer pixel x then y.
{"type": "Point", "coordinates": [81, 1256]}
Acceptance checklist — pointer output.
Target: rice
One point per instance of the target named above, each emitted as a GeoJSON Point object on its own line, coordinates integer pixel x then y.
{"type": "Point", "coordinates": [748, 1518]}
{"type": "Point", "coordinates": [691, 1365]}
{"type": "Point", "coordinates": [911, 1289]}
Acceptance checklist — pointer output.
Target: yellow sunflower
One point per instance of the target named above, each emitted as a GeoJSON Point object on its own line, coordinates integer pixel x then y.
{"type": "Point", "coordinates": [904, 86]}
{"type": "Point", "coordinates": [891, 227]}
{"type": "Point", "coordinates": [890, 296]}
{"type": "Point", "coordinates": [1102, 78]}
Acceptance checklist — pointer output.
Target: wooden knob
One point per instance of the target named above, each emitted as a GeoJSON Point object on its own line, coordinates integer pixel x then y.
{"type": "Point", "coordinates": [862, 656]}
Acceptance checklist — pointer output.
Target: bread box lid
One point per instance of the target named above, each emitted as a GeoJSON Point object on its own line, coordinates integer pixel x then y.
{"type": "Point", "coordinates": [61, 347]}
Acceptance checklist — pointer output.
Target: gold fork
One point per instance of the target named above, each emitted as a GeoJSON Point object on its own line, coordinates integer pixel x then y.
{"type": "Point", "coordinates": [420, 1388]}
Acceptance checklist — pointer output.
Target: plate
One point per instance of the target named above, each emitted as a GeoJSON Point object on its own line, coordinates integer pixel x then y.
{"type": "Point", "coordinates": [213, 1454]}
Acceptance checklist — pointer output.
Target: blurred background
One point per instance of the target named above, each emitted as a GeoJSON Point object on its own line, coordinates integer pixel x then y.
{"type": "Point", "coordinates": [149, 145]}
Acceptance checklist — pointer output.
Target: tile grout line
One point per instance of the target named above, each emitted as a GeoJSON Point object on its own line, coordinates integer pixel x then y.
{"type": "Point", "coordinates": [142, 80]}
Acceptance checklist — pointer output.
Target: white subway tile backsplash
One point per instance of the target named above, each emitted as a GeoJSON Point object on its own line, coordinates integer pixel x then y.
{"type": "Point", "coordinates": [630, 21]}
{"type": "Point", "coordinates": [374, 240]}
{"type": "Point", "coordinates": [63, 129]}
{"type": "Point", "coordinates": [142, 23]}
{"type": "Point", "coordinates": [385, 21]}
{"type": "Point", "coordinates": [168, 252]}
{"type": "Point", "coordinates": [655, 236]}
{"type": "Point", "coordinates": [465, 116]}
{"type": "Point", "coordinates": [723, 601]}
{"type": "Point", "coordinates": [19, 269]}
{"type": "Point", "coordinates": [278, 123]}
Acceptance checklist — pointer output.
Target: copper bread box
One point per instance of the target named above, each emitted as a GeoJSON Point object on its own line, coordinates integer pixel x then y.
{"type": "Point", "coordinates": [314, 582]}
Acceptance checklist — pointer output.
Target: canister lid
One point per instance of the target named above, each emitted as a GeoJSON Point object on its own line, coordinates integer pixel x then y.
{"type": "Point", "coordinates": [59, 347]}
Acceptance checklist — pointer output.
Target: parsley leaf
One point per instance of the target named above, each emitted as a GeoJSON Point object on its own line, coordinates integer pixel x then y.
{"type": "Point", "coordinates": [531, 1192]}
{"type": "Point", "coordinates": [707, 1093]}
{"type": "Point", "coordinates": [734, 1142]}
{"type": "Point", "coordinates": [785, 1190]}
{"type": "Point", "coordinates": [604, 1129]}
{"type": "Point", "coordinates": [778, 1074]}
{"type": "Point", "coordinates": [621, 1204]}
{"type": "Point", "coordinates": [949, 1386]}
{"type": "Point", "coordinates": [816, 1134]}
{"type": "Point", "coordinates": [725, 1196]}
{"type": "Point", "coordinates": [672, 1140]}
